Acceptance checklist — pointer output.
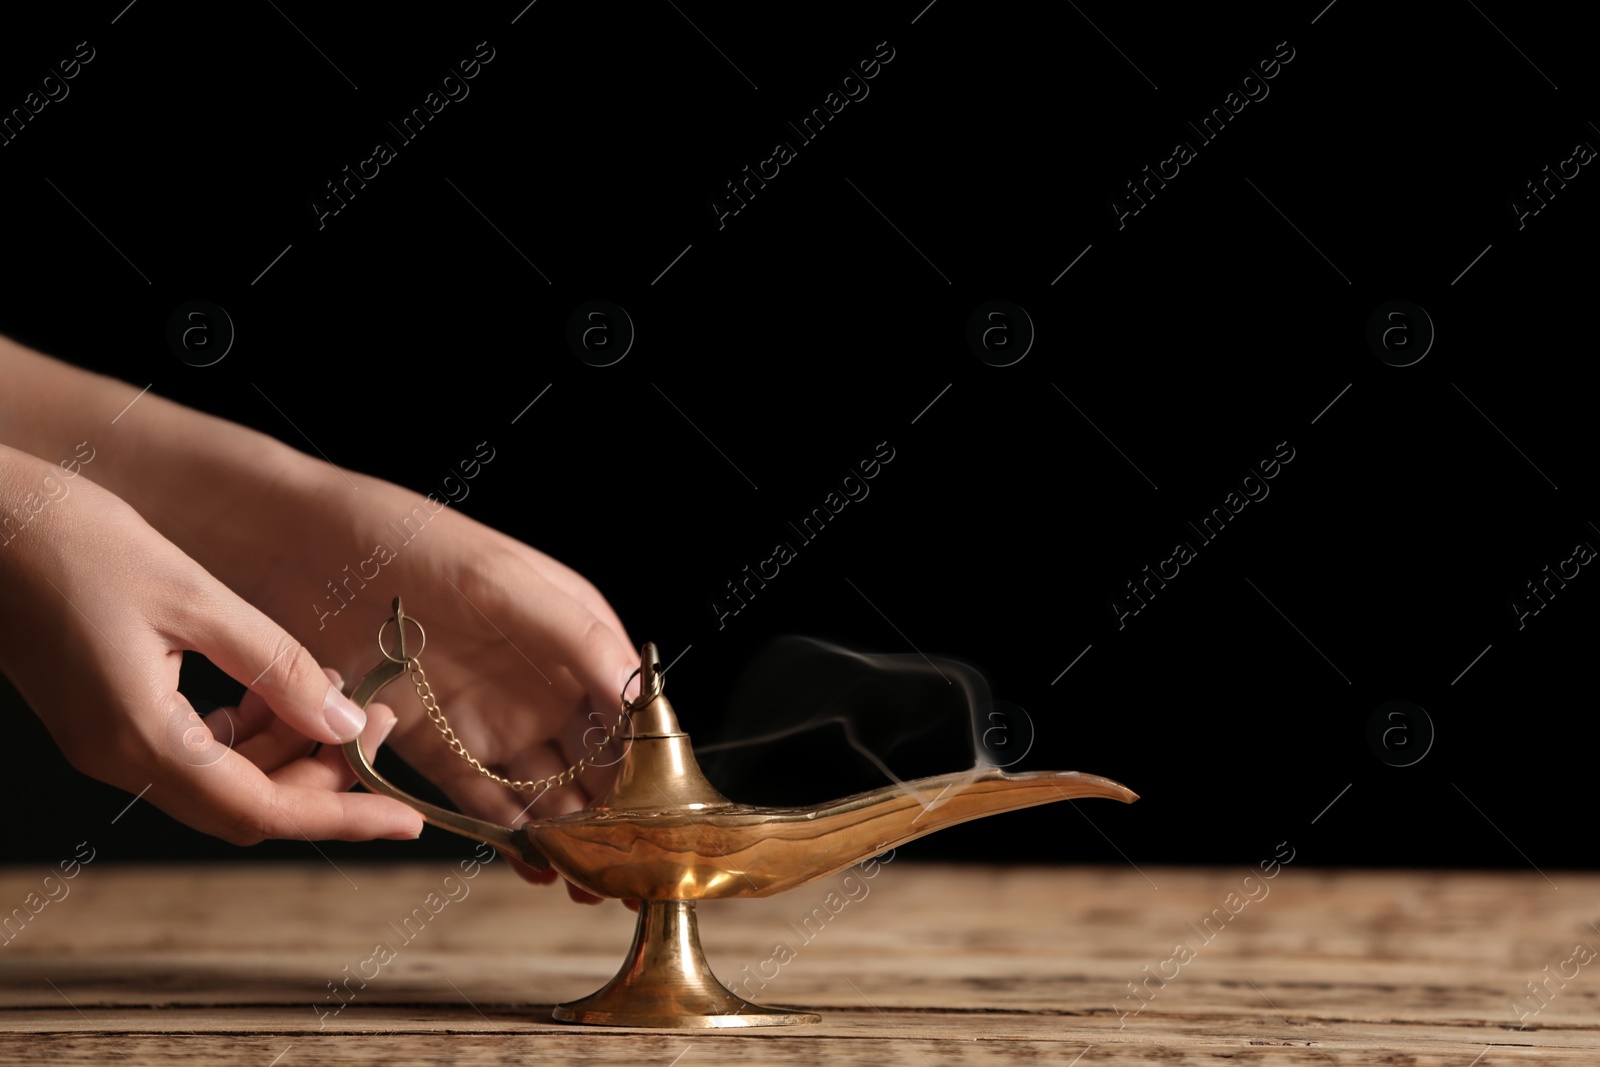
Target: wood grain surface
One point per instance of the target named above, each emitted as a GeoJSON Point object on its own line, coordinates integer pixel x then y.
{"type": "Point", "coordinates": [918, 965]}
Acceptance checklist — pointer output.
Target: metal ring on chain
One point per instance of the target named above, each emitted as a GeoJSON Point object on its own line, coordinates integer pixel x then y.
{"type": "Point", "coordinates": [402, 658]}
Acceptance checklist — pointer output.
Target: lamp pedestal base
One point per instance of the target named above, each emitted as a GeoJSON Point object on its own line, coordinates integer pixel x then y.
{"type": "Point", "coordinates": [666, 982]}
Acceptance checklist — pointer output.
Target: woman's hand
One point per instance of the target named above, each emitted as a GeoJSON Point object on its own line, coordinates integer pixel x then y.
{"type": "Point", "coordinates": [99, 609]}
{"type": "Point", "coordinates": [525, 657]}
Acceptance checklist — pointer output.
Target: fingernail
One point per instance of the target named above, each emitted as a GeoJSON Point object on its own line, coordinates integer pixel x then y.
{"type": "Point", "coordinates": [343, 717]}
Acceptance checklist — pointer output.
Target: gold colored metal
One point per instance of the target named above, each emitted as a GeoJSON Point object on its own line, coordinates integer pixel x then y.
{"type": "Point", "coordinates": [663, 835]}
{"type": "Point", "coordinates": [666, 982]}
{"type": "Point", "coordinates": [537, 786]}
{"type": "Point", "coordinates": [430, 704]}
{"type": "Point", "coordinates": [501, 838]}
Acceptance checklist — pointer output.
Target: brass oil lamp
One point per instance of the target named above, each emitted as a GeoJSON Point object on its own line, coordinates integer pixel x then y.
{"type": "Point", "coordinates": [665, 837]}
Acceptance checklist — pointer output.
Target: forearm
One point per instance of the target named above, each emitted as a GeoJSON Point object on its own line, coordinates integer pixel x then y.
{"type": "Point", "coordinates": [176, 466]}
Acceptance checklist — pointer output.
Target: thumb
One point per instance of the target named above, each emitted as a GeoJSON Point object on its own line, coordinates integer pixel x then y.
{"type": "Point", "coordinates": [254, 650]}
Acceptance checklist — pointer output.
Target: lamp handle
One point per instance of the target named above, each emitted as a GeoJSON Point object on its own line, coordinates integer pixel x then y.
{"type": "Point", "coordinates": [506, 840]}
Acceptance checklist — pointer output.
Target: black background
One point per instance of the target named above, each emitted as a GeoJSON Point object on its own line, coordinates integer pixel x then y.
{"type": "Point", "coordinates": [828, 315]}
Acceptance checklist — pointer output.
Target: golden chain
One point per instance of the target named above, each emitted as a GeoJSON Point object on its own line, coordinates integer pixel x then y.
{"type": "Point", "coordinates": [542, 785]}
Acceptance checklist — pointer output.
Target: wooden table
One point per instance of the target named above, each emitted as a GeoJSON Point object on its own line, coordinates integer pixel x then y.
{"type": "Point", "coordinates": [925, 965]}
